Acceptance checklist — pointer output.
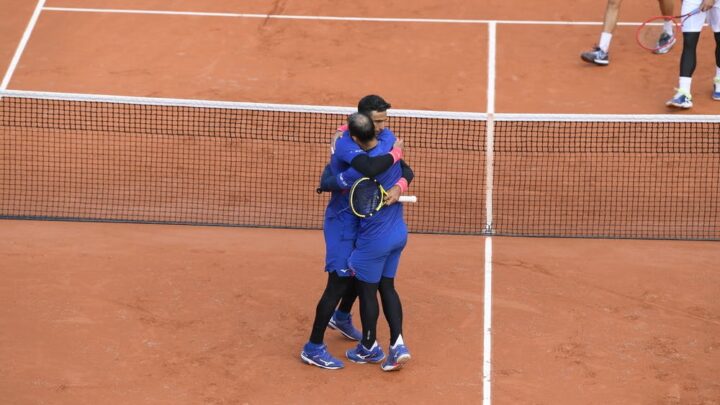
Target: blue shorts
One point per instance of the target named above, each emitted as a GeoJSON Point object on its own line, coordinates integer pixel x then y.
{"type": "Point", "coordinates": [376, 258]}
{"type": "Point", "coordinates": [340, 232]}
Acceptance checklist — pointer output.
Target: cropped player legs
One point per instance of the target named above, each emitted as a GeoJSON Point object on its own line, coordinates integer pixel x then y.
{"type": "Point", "coordinates": [369, 312]}
{"type": "Point", "coordinates": [336, 287]}
{"type": "Point", "coordinates": [348, 299]}
{"type": "Point", "coordinates": [600, 54]}
{"type": "Point", "coordinates": [375, 263]}
{"type": "Point", "coordinates": [688, 60]}
{"type": "Point", "coordinates": [392, 307]}
{"type": "Point", "coordinates": [667, 7]}
{"type": "Point", "coordinates": [716, 81]}
{"type": "Point", "coordinates": [612, 10]}
{"type": "Point", "coordinates": [340, 233]}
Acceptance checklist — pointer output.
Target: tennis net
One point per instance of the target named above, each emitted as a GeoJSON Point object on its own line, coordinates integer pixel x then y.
{"type": "Point", "coordinates": [128, 159]}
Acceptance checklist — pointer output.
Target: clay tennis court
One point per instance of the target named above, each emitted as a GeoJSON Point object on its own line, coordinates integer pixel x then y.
{"type": "Point", "coordinates": [159, 314]}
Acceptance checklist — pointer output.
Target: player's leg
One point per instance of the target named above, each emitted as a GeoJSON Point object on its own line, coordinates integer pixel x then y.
{"type": "Point", "coordinates": [315, 352]}
{"type": "Point", "coordinates": [688, 60]}
{"type": "Point", "coordinates": [340, 232]}
{"type": "Point", "coordinates": [398, 353]}
{"type": "Point", "coordinates": [667, 7]}
{"type": "Point", "coordinates": [368, 350]}
{"type": "Point", "coordinates": [714, 21]}
{"type": "Point", "coordinates": [367, 262]}
{"type": "Point", "coordinates": [612, 11]}
{"type": "Point", "coordinates": [334, 290]}
{"type": "Point", "coordinates": [392, 307]}
{"type": "Point", "coordinates": [716, 84]}
{"type": "Point", "coordinates": [342, 319]}
{"type": "Point", "coordinates": [348, 300]}
{"type": "Point", "coordinates": [599, 55]}
{"type": "Point", "coordinates": [667, 40]}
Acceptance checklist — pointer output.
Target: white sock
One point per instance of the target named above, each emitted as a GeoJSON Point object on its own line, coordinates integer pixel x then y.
{"type": "Point", "coordinates": [684, 84]}
{"type": "Point", "coordinates": [668, 27]}
{"type": "Point", "coordinates": [372, 347]}
{"type": "Point", "coordinates": [605, 38]}
{"type": "Point", "coordinates": [399, 341]}
{"type": "Point", "coordinates": [717, 78]}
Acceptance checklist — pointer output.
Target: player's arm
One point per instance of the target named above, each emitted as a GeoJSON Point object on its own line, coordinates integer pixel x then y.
{"type": "Point", "coordinates": [393, 195]}
{"type": "Point", "coordinates": [373, 166]}
{"type": "Point", "coordinates": [345, 180]}
{"type": "Point", "coordinates": [361, 164]}
{"type": "Point", "coordinates": [346, 150]}
{"type": "Point", "coordinates": [407, 172]}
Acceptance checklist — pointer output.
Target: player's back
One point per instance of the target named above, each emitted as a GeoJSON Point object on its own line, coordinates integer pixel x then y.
{"type": "Point", "coordinates": [390, 217]}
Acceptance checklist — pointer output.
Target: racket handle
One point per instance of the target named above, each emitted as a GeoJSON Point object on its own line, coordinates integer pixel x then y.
{"type": "Point", "coordinates": [408, 198]}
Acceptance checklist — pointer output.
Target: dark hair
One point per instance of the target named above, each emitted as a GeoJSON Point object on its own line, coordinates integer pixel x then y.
{"type": "Point", "coordinates": [371, 103]}
{"type": "Point", "coordinates": [361, 127]}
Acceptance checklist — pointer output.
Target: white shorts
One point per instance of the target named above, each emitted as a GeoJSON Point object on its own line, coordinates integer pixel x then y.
{"type": "Point", "coordinates": [695, 23]}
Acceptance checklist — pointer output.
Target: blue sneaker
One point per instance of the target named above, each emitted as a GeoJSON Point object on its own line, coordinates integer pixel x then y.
{"type": "Point", "coordinates": [397, 357]}
{"type": "Point", "coordinates": [362, 355]}
{"type": "Point", "coordinates": [320, 357]}
{"type": "Point", "coordinates": [682, 99]}
{"type": "Point", "coordinates": [716, 89]}
{"type": "Point", "coordinates": [596, 56]}
{"type": "Point", "coordinates": [345, 327]}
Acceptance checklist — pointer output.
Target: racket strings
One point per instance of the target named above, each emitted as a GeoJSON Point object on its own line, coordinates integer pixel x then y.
{"type": "Point", "coordinates": [366, 197]}
{"type": "Point", "coordinates": [649, 33]}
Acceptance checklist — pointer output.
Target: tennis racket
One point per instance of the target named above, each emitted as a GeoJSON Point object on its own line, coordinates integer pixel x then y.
{"type": "Point", "coordinates": [367, 197]}
{"type": "Point", "coordinates": [649, 32]}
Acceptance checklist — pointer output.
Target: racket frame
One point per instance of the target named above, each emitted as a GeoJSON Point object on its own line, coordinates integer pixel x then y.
{"type": "Point", "coordinates": [383, 194]}
{"type": "Point", "coordinates": [677, 21]}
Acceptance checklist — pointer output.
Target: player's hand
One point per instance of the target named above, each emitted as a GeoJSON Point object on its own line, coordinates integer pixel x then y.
{"type": "Point", "coordinates": [333, 141]}
{"type": "Point", "coordinates": [707, 5]}
{"type": "Point", "coordinates": [393, 195]}
{"type": "Point", "coordinates": [399, 144]}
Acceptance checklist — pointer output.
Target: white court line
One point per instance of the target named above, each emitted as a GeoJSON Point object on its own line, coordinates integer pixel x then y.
{"type": "Point", "coordinates": [21, 46]}
{"type": "Point", "coordinates": [327, 18]}
{"type": "Point", "coordinates": [487, 323]}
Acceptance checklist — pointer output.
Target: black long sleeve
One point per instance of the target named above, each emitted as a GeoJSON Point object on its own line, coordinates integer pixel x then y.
{"type": "Point", "coordinates": [328, 182]}
{"type": "Point", "coordinates": [372, 166]}
{"type": "Point", "coordinates": [407, 172]}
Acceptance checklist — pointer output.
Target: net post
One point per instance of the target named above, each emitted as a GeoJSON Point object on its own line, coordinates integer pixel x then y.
{"type": "Point", "coordinates": [489, 174]}
{"type": "Point", "coordinates": [490, 129]}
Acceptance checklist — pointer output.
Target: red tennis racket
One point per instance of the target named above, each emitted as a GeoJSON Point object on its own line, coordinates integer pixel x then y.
{"type": "Point", "coordinates": [653, 35]}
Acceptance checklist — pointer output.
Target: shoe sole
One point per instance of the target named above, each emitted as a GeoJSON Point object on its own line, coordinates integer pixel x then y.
{"type": "Point", "coordinates": [333, 326]}
{"type": "Point", "coordinates": [308, 360]}
{"type": "Point", "coordinates": [598, 62]}
{"type": "Point", "coordinates": [364, 361]}
{"type": "Point", "coordinates": [677, 105]}
{"type": "Point", "coordinates": [716, 98]}
{"type": "Point", "coordinates": [400, 362]}
{"type": "Point", "coordinates": [665, 49]}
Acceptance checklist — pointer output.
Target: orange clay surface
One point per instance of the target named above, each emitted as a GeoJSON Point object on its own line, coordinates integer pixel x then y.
{"type": "Point", "coordinates": [436, 66]}
{"type": "Point", "coordinates": [149, 314]}
{"type": "Point", "coordinates": [146, 314]}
